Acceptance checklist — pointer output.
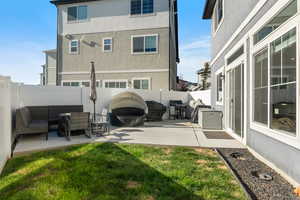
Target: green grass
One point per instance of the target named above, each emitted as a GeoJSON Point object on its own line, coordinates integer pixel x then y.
{"type": "Point", "coordinates": [119, 172]}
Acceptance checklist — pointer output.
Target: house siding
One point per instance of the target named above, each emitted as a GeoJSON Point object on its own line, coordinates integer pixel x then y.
{"type": "Point", "coordinates": [111, 18]}
{"type": "Point", "coordinates": [231, 22]}
{"type": "Point", "coordinates": [121, 57]}
{"type": "Point", "coordinates": [113, 15]}
{"type": "Point", "coordinates": [283, 156]}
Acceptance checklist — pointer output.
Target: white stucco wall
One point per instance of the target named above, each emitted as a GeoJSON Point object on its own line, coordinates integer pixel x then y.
{"type": "Point", "coordinates": [5, 120]}
{"type": "Point", "coordinates": [113, 15]}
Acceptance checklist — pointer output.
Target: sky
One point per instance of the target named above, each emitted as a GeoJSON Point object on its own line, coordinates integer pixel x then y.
{"type": "Point", "coordinates": [31, 28]}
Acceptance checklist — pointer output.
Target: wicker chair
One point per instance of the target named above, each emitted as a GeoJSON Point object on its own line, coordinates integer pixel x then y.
{"type": "Point", "coordinates": [74, 122]}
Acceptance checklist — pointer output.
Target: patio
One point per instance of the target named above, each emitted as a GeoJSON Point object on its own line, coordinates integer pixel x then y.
{"type": "Point", "coordinates": [169, 133]}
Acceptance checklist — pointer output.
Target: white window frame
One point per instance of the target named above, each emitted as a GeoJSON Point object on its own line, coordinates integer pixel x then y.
{"type": "Point", "coordinates": [148, 35]}
{"type": "Point", "coordinates": [141, 79]}
{"type": "Point", "coordinates": [81, 85]}
{"type": "Point", "coordinates": [142, 13]}
{"type": "Point", "coordinates": [217, 73]}
{"type": "Point", "coordinates": [70, 47]}
{"type": "Point", "coordinates": [111, 45]}
{"type": "Point", "coordinates": [216, 29]}
{"type": "Point", "coordinates": [115, 80]}
{"type": "Point", "coordinates": [78, 21]}
{"type": "Point", "coordinates": [293, 22]}
{"type": "Point", "coordinates": [71, 81]}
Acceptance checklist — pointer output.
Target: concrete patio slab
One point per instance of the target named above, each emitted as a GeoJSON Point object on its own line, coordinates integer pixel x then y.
{"type": "Point", "coordinates": [174, 133]}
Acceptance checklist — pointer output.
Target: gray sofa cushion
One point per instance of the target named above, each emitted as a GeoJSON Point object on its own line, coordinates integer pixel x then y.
{"type": "Point", "coordinates": [26, 117]}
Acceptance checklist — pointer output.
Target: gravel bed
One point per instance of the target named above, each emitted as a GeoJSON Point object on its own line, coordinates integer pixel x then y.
{"type": "Point", "coordinates": [247, 167]}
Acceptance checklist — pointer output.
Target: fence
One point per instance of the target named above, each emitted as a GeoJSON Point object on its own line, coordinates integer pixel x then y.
{"type": "Point", "coordinates": [14, 96]}
{"type": "Point", "coordinates": [5, 120]}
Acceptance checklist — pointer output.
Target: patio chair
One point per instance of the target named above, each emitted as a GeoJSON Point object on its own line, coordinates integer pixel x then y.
{"type": "Point", "coordinates": [76, 121]}
{"type": "Point", "coordinates": [102, 122]}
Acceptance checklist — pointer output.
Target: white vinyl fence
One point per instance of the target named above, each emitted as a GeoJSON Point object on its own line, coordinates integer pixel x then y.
{"type": "Point", "coordinates": [5, 120]}
{"type": "Point", "coordinates": [14, 96]}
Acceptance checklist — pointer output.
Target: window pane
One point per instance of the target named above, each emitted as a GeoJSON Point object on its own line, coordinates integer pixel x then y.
{"type": "Point", "coordinates": [219, 88]}
{"type": "Point", "coordinates": [261, 87]}
{"type": "Point", "coordinates": [107, 41]}
{"type": "Point", "coordinates": [82, 12]}
{"type": "Point", "coordinates": [150, 44]}
{"type": "Point", "coordinates": [86, 84]}
{"type": "Point", "coordinates": [278, 20]}
{"type": "Point", "coordinates": [74, 84]}
{"type": "Point", "coordinates": [145, 84]}
{"type": "Point", "coordinates": [74, 43]}
{"type": "Point", "coordinates": [136, 84]}
{"type": "Point", "coordinates": [107, 47]}
{"type": "Point", "coordinates": [261, 105]}
{"type": "Point", "coordinates": [72, 13]}
{"type": "Point", "coordinates": [289, 57]}
{"type": "Point", "coordinates": [136, 7]}
{"type": "Point", "coordinates": [138, 44]}
{"type": "Point", "coordinates": [66, 84]}
{"type": "Point", "coordinates": [123, 85]}
{"type": "Point", "coordinates": [147, 6]}
{"type": "Point", "coordinates": [112, 85]}
{"type": "Point", "coordinates": [283, 105]}
{"type": "Point", "coordinates": [235, 55]}
{"type": "Point", "coordinates": [276, 62]}
{"type": "Point", "coordinates": [106, 85]}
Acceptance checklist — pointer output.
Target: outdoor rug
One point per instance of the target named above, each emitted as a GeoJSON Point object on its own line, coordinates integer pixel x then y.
{"type": "Point", "coordinates": [217, 135]}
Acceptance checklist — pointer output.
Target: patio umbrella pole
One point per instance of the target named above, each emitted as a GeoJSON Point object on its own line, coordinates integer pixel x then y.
{"type": "Point", "coordinates": [93, 94]}
{"type": "Point", "coordinates": [94, 111]}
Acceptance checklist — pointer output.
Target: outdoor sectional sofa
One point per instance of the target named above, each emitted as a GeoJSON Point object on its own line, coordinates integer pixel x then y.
{"type": "Point", "coordinates": [41, 119]}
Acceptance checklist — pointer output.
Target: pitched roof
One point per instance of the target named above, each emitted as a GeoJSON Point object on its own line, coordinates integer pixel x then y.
{"type": "Point", "coordinates": [209, 9]}
{"type": "Point", "coordinates": [61, 2]}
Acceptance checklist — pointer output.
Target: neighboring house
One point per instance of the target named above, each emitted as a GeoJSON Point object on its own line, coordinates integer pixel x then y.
{"type": "Point", "coordinates": [255, 77]}
{"type": "Point", "coordinates": [134, 43]}
{"type": "Point", "coordinates": [48, 77]}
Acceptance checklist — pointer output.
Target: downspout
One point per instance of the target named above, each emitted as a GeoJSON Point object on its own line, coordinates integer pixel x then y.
{"type": "Point", "coordinates": [170, 36]}
{"type": "Point", "coordinates": [57, 54]}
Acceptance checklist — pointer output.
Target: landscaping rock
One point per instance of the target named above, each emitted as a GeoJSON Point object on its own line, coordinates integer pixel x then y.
{"type": "Point", "coordinates": [262, 182]}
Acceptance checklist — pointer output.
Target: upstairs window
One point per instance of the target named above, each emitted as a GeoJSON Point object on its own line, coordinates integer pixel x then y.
{"type": "Point", "coordinates": [218, 14]}
{"type": "Point", "coordinates": [289, 11]}
{"type": "Point", "coordinates": [74, 47]}
{"type": "Point", "coordinates": [144, 44]}
{"type": "Point", "coordinates": [107, 45]}
{"type": "Point", "coordinates": [140, 7]}
{"type": "Point", "coordinates": [77, 13]}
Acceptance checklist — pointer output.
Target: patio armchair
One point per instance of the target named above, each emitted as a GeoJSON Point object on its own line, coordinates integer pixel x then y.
{"type": "Point", "coordinates": [75, 121]}
{"type": "Point", "coordinates": [31, 120]}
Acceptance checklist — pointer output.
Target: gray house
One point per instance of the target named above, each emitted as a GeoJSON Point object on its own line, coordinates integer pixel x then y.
{"type": "Point", "coordinates": [134, 43]}
{"type": "Point", "coordinates": [48, 77]}
{"type": "Point", "coordinates": [256, 75]}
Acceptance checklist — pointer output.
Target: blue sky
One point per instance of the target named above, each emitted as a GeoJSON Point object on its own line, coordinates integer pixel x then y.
{"type": "Point", "coordinates": [31, 28]}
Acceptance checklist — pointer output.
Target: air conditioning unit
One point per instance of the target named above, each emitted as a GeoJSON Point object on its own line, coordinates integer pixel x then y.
{"type": "Point", "coordinates": [210, 119]}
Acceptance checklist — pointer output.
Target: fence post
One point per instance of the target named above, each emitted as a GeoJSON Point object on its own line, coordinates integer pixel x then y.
{"type": "Point", "coordinates": [5, 120]}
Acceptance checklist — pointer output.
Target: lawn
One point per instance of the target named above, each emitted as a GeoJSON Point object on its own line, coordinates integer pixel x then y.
{"type": "Point", "coordinates": [119, 172]}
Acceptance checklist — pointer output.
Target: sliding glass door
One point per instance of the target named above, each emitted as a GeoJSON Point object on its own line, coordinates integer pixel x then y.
{"type": "Point", "coordinates": [236, 99]}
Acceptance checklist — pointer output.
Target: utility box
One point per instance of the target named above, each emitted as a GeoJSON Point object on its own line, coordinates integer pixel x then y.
{"type": "Point", "coordinates": [210, 119]}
